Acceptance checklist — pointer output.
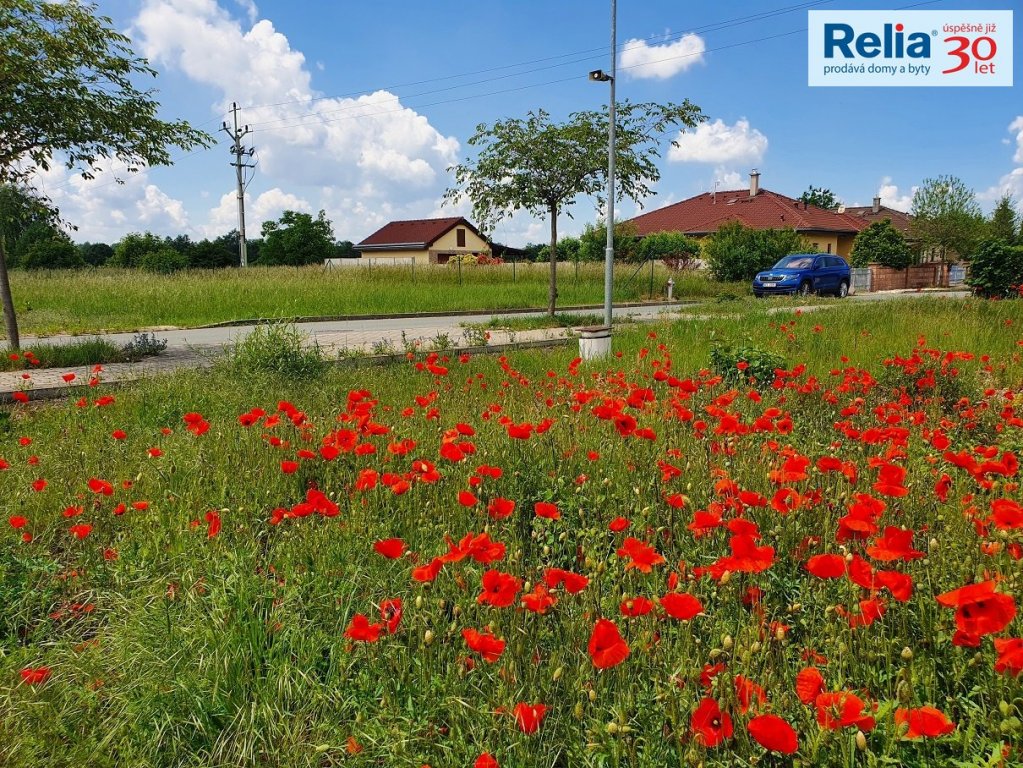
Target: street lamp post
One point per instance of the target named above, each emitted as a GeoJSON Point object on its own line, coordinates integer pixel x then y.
{"type": "Point", "coordinates": [609, 250]}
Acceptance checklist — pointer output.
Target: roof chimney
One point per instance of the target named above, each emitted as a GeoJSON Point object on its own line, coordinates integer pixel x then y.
{"type": "Point", "coordinates": [754, 182]}
{"type": "Point", "coordinates": [877, 204]}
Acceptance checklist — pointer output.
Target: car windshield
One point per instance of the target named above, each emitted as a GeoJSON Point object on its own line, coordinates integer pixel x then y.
{"type": "Point", "coordinates": [795, 262]}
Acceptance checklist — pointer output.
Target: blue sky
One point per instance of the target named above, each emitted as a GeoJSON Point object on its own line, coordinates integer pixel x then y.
{"type": "Point", "coordinates": [359, 108]}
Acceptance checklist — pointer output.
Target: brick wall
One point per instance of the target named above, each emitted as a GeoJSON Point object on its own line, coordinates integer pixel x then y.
{"type": "Point", "coordinates": [933, 275]}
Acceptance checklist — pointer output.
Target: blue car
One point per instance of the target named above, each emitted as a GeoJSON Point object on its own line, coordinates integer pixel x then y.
{"type": "Point", "coordinates": [805, 273]}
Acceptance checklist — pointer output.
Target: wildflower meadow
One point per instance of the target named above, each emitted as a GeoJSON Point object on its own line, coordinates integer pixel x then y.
{"type": "Point", "coordinates": [669, 557]}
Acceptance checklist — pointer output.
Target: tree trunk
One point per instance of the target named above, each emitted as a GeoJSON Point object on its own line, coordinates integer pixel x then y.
{"type": "Point", "coordinates": [10, 319]}
{"type": "Point", "coordinates": [552, 294]}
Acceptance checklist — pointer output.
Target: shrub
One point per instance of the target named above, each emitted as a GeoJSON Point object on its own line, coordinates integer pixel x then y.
{"type": "Point", "coordinates": [165, 260]}
{"type": "Point", "coordinates": [675, 249]}
{"type": "Point", "coordinates": [593, 242]}
{"type": "Point", "coordinates": [56, 253]}
{"type": "Point", "coordinates": [132, 247]}
{"type": "Point", "coordinates": [276, 348]}
{"type": "Point", "coordinates": [996, 269]}
{"type": "Point", "coordinates": [883, 244]}
{"type": "Point", "coordinates": [143, 345]}
{"type": "Point", "coordinates": [736, 252]}
{"type": "Point", "coordinates": [738, 365]}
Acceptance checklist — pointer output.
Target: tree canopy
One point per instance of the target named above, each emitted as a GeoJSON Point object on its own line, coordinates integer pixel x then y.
{"type": "Point", "coordinates": [298, 238]}
{"type": "Point", "coordinates": [947, 219]}
{"type": "Point", "coordinates": [69, 96]}
{"type": "Point", "coordinates": [821, 197]}
{"type": "Point", "coordinates": [736, 252]}
{"type": "Point", "coordinates": [883, 244]}
{"type": "Point", "coordinates": [541, 166]}
{"type": "Point", "coordinates": [1004, 223]}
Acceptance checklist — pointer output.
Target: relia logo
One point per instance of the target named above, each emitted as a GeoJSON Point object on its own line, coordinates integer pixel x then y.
{"type": "Point", "coordinates": [893, 43]}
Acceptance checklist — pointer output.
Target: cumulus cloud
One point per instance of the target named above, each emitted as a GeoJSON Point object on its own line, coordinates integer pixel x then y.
{"type": "Point", "coordinates": [639, 59]}
{"type": "Point", "coordinates": [1016, 126]}
{"type": "Point", "coordinates": [718, 142]}
{"type": "Point", "coordinates": [104, 210]}
{"type": "Point", "coordinates": [361, 158]}
{"type": "Point", "coordinates": [892, 197]}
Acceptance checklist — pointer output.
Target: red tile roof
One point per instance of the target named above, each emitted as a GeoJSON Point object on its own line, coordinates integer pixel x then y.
{"type": "Point", "coordinates": [414, 234]}
{"type": "Point", "coordinates": [768, 210]}
{"type": "Point", "coordinates": [900, 219]}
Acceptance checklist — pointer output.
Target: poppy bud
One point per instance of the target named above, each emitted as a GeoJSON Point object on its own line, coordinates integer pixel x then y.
{"type": "Point", "coordinates": [578, 711]}
{"type": "Point", "coordinates": [1004, 707]}
{"type": "Point", "coordinates": [419, 601]}
{"type": "Point", "coordinates": [902, 692]}
{"type": "Point", "coordinates": [428, 637]}
{"type": "Point", "coordinates": [592, 694]}
{"type": "Point", "coordinates": [755, 648]}
{"type": "Point", "coordinates": [457, 610]}
{"type": "Point", "coordinates": [321, 748]}
{"type": "Point", "coordinates": [727, 642]}
{"type": "Point", "coordinates": [527, 586]}
{"type": "Point", "coordinates": [907, 654]}
{"type": "Point", "coordinates": [612, 728]}
{"type": "Point", "coordinates": [715, 653]}
{"type": "Point", "coordinates": [546, 550]}
{"type": "Point", "coordinates": [563, 536]}
{"type": "Point", "coordinates": [726, 577]}
{"type": "Point", "coordinates": [861, 741]}
{"type": "Point", "coordinates": [933, 544]}
{"type": "Point", "coordinates": [558, 673]}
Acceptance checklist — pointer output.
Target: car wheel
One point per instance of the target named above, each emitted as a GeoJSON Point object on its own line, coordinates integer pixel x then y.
{"type": "Point", "coordinates": [843, 289]}
{"type": "Point", "coordinates": [805, 289]}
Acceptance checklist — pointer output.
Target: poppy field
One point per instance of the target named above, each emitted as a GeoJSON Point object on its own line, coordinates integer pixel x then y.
{"type": "Point", "coordinates": [650, 560]}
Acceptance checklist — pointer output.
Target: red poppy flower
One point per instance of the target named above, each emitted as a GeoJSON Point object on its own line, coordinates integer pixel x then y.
{"type": "Point", "coordinates": [1010, 655]}
{"type": "Point", "coordinates": [641, 556]}
{"type": "Point", "coordinates": [289, 467]}
{"type": "Point", "coordinates": [499, 589]}
{"type": "Point", "coordinates": [891, 481]}
{"type": "Point", "coordinates": [539, 600]}
{"type": "Point", "coordinates": [500, 508]}
{"type": "Point", "coordinates": [681, 605]}
{"type": "Point", "coordinates": [528, 717]}
{"type": "Point", "coordinates": [841, 709]}
{"type": "Point", "coordinates": [636, 606]}
{"type": "Point", "coordinates": [35, 675]}
{"type": "Point", "coordinates": [709, 724]}
{"type": "Point", "coordinates": [467, 498]}
{"type": "Point", "coordinates": [894, 544]}
{"type": "Point", "coordinates": [486, 760]}
{"type": "Point", "coordinates": [429, 571]}
{"type": "Point", "coordinates": [826, 566]}
{"type": "Point", "coordinates": [923, 721]}
{"type": "Point", "coordinates": [484, 643]}
{"type": "Point", "coordinates": [547, 510]}
{"type": "Point", "coordinates": [809, 684]}
{"type": "Point", "coordinates": [391, 612]}
{"type": "Point", "coordinates": [81, 530]}
{"type": "Point", "coordinates": [1006, 514]}
{"type": "Point", "coordinates": [17, 521]}
{"type": "Point", "coordinates": [212, 524]}
{"type": "Point", "coordinates": [979, 611]}
{"type": "Point", "coordinates": [607, 648]}
{"type": "Point", "coordinates": [774, 734]}
{"type": "Point", "coordinates": [362, 631]}
{"type": "Point", "coordinates": [392, 549]}
{"type": "Point", "coordinates": [748, 693]}
{"type": "Point", "coordinates": [99, 486]}
{"type": "Point", "coordinates": [574, 583]}
{"type": "Point", "coordinates": [618, 525]}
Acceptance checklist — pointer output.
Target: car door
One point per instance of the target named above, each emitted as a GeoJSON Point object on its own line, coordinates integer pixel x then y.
{"type": "Point", "coordinates": [820, 274]}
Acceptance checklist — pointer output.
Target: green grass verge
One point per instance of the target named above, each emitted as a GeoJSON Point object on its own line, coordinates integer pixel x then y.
{"type": "Point", "coordinates": [170, 642]}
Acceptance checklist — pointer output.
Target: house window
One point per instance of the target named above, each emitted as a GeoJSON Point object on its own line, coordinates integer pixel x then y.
{"type": "Point", "coordinates": [460, 238]}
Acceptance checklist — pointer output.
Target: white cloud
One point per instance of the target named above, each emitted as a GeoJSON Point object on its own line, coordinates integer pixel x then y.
{"type": "Point", "coordinates": [718, 142]}
{"type": "Point", "coordinates": [104, 210]}
{"type": "Point", "coordinates": [1017, 126]}
{"type": "Point", "coordinates": [1010, 184]}
{"type": "Point", "coordinates": [266, 206]}
{"type": "Point", "coordinates": [892, 198]}
{"type": "Point", "coordinates": [250, 9]}
{"type": "Point", "coordinates": [641, 60]}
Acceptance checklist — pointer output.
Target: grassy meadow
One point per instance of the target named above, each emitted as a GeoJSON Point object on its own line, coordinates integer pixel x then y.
{"type": "Point", "coordinates": [125, 300]}
{"type": "Point", "coordinates": [528, 561]}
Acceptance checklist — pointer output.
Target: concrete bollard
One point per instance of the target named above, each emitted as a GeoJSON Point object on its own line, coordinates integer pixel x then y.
{"type": "Point", "coordinates": [671, 288]}
{"type": "Point", "coordinates": [594, 342]}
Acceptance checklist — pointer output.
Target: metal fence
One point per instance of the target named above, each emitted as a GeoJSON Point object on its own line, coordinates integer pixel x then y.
{"type": "Point", "coordinates": [861, 279]}
{"type": "Point", "coordinates": [956, 274]}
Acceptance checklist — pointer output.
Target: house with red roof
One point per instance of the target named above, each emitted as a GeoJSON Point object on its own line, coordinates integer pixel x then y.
{"type": "Point", "coordinates": [758, 208]}
{"type": "Point", "coordinates": [426, 241]}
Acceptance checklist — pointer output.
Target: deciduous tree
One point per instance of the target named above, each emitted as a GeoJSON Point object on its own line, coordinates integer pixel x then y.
{"type": "Point", "coordinates": [69, 94]}
{"type": "Point", "coordinates": [947, 220]}
{"type": "Point", "coordinates": [541, 166]}
{"type": "Point", "coordinates": [821, 197]}
{"type": "Point", "coordinates": [881, 243]}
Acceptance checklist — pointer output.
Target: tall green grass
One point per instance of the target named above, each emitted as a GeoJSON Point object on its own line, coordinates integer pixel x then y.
{"type": "Point", "coordinates": [124, 300]}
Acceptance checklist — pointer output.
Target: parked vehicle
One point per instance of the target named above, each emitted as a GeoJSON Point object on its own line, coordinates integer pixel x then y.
{"type": "Point", "coordinates": [805, 273]}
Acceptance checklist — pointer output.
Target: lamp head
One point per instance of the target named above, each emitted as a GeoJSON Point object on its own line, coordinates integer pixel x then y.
{"type": "Point", "coordinates": [600, 76]}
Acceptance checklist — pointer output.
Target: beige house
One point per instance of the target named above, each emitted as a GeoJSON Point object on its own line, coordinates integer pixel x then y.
{"type": "Point", "coordinates": [425, 241]}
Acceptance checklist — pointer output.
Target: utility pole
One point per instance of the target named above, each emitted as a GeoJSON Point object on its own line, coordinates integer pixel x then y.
{"type": "Point", "coordinates": [240, 153]}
